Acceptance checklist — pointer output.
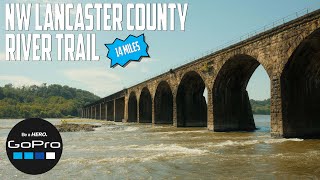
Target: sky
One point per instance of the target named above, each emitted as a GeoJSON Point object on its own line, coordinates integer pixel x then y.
{"type": "Point", "coordinates": [209, 24]}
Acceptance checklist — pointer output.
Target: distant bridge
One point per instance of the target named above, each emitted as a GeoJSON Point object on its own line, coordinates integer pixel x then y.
{"type": "Point", "coordinates": [290, 54]}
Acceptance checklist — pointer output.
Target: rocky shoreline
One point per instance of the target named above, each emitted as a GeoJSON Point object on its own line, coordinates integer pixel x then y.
{"type": "Point", "coordinates": [71, 127]}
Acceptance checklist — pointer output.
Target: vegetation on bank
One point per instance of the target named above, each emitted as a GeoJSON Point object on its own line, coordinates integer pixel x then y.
{"type": "Point", "coordinates": [56, 101]}
{"type": "Point", "coordinates": [260, 107]}
{"type": "Point", "coordinates": [52, 101]}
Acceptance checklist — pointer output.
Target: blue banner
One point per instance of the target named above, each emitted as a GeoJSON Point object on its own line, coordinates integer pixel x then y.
{"type": "Point", "coordinates": [131, 49]}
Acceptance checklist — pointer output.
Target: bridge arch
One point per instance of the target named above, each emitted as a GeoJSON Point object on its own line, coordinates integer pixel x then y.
{"type": "Point", "coordinates": [230, 99]}
{"type": "Point", "coordinates": [300, 89]}
{"type": "Point", "coordinates": [163, 104]}
{"type": "Point", "coordinates": [191, 104]}
{"type": "Point", "coordinates": [145, 106]}
{"type": "Point", "coordinates": [132, 107]}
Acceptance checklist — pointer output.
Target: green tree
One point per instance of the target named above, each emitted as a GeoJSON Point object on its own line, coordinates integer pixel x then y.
{"type": "Point", "coordinates": [51, 101]}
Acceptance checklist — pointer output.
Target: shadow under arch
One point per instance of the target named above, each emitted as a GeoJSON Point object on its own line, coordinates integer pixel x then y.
{"type": "Point", "coordinates": [231, 104]}
{"type": "Point", "coordinates": [191, 104]}
{"type": "Point", "coordinates": [132, 108]}
{"type": "Point", "coordinates": [145, 106]}
{"type": "Point", "coordinates": [300, 90]}
{"type": "Point", "coordinates": [163, 104]}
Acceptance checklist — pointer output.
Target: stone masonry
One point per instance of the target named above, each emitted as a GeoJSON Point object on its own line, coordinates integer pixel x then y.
{"type": "Point", "coordinates": [289, 53]}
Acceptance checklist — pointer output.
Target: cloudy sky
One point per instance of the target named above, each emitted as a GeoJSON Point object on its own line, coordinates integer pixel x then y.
{"type": "Point", "coordinates": [208, 25]}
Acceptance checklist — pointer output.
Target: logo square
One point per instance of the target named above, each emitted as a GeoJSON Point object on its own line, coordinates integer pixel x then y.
{"type": "Point", "coordinates": [17, 155]}
{"type": "Point", "coordinates": [39, 155]}
{"type": "Point", "coordinates": [28, 155]}
{"type": "Point", "coordinates": [50, 155]}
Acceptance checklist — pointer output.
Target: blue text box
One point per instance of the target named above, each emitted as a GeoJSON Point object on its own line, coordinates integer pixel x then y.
{"type": "Point", "coordinates": [131, 49]}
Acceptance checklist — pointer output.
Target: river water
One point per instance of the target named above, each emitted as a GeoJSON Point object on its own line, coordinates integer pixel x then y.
{"type": "Point", "coordinates": [143, 151]}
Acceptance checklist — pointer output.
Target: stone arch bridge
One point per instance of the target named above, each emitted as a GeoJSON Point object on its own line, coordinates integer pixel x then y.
{"type": "Point", "coordinates": [290, 54]}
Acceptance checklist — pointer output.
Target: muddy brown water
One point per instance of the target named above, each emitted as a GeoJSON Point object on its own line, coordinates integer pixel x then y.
{"type": "Point", "coordinates": [143, 151]}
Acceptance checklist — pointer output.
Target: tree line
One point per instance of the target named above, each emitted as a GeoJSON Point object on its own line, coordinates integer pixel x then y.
{"type": "Point", "coordinates": [56, 101]}
{"type": "Point", "coordinates": [46, 101]}
{"type": "Point", "coordinates": [260, 107]}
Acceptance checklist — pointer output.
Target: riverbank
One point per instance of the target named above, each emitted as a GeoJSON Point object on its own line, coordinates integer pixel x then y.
{"type": "Point", "coordinates": [76, 125]}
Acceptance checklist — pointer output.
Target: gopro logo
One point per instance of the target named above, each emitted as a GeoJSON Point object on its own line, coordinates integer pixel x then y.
{"type": "Point", "coordinates": [33, 144]}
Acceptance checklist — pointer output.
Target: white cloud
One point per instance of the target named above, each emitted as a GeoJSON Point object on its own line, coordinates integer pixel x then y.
{"type": "Point", "coordinates": [2, 56]}
{"type": "Point", "coordinates": [18, 80]}
{"type": "Point", "coordinates": [143, 68]}
{"type": "Point", "coordinates": [100, 81]}
{"type": "Point", "coordinates": [149, 60]}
